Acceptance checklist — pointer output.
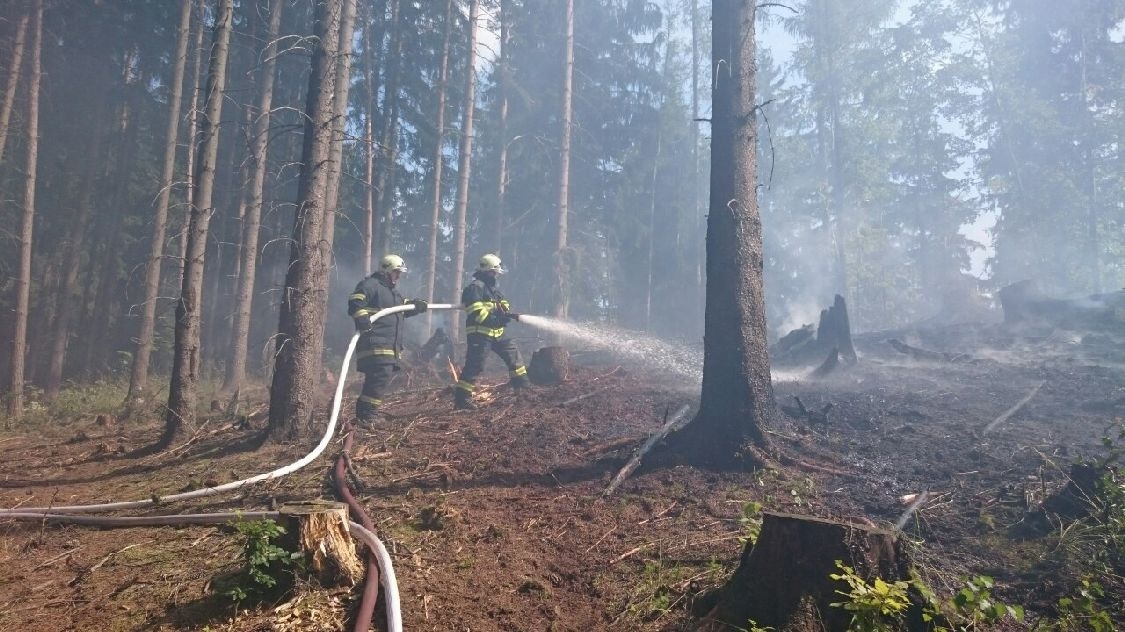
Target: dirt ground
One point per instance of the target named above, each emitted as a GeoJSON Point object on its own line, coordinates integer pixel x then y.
{"type": "Point", "coordinates": [496, 518]}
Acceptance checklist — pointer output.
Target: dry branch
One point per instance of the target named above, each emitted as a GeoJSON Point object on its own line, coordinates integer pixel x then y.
{"type": "Point", "coordinates": [674, 423]}
{"type": "Point", "coordinates": [1013, 410]}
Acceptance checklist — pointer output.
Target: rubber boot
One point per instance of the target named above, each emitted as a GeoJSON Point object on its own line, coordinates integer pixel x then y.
{"type": "Point", "coordinates": [366, 415]}
{"type": "Point", "coordinates": [463, 400]}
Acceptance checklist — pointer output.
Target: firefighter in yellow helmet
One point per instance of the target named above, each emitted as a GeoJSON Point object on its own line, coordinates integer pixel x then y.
{"type": "Point", "coordinates": [380, 342]}
{"type": "Point", "coordinates": [487, 313]}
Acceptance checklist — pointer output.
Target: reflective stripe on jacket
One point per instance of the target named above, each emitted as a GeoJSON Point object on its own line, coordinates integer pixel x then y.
{"type": "Point", "coordinates": [371, 295]}
{"type": "Point", "coordinates": [484, 307]}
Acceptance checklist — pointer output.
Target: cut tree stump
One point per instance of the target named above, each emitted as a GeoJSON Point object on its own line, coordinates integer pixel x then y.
{"type": "Point", "coordinates": [549, 366]}
{"type": "Point", "coordinates": [319, 529]}
{"type": "Point", "coordinates": [783, 583]}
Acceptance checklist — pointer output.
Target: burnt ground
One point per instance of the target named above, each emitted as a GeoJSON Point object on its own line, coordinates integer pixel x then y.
{"type": "Point", "coordinates": [496, 521]}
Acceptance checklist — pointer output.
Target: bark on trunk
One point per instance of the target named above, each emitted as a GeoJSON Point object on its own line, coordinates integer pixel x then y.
{"type": "Point", "coordinates": [439, 162]}
{"type": "Point", "coordinates": [464, 162]}
{"type": "Point", "coordinates": [193, 130]}
{"type": "Point", "coordinates": [13, 81]}
{"type": "Point", "coordinates": [236, 367]}
{"type": "Point", "coordinates": [183, 391]}
{"type": "Point", "coordinates": [502, 129]}
{"type": "Point", "coordinates": [138, 379]}
{"type": "Point", "coordinates": [370, 81]}
{"type": "Point", "coordinates": [562, 267]}
{"type": "Point", "coordinates": [384, 203]}
{"type": "Point", "coordinates": [737, 397]}
{"type": "Point", "coordinates": [301, 329]}
{"type": "Point", "coordinates": [23, 279]}
{"type": "Point", "coordinates": [339, 120]}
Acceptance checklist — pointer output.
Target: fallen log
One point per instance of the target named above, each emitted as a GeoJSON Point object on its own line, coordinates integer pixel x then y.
{"type": "Point", "coordinates": [783, 580]}
{"type": "Point", "coordinates": [926, 354]}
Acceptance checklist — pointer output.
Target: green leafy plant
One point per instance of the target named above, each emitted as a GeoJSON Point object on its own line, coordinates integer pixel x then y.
{"type": "Point", "coordinates": [1082, 611]}
{"type": "Point", "coordinates": [974, 605]}
{"type": "Point", "coordinates": [875, 607]}
{"type": "Point", "coordinates": [268, 566]}
{"type": "Point", "coordinates": [750, 523]}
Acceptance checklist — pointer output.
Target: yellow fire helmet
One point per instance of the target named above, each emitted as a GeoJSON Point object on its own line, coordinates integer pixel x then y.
{"type": "Point", "coordinates": [393, 263]}
{"type": "Point", "coordinates": [491, 263]}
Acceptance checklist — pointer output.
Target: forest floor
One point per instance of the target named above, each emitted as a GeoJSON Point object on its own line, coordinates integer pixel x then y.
{"type": "Point", "coordinates": [496, 519]}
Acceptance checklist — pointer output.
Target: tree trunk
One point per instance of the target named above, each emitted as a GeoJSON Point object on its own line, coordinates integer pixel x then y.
{"type": "Point", "coordinates": [193, 130]}
{"type": "Point", "coordinates": [439, 162]}
{"type": "Point", "coordinates": [384, 203]}
{"type": "Point", "coordinates": [301, 328]}
{"type": "Point", "coordinates": [23, 280]}
{"type": "Point", "coordinates": [236, 366]}
{"type": "Point", "coordinates": [696, 230]}
{"type": "Point", "coordinates": [183, 391]}
{"type": "Point", "coordinates": [783, 580]}
{"type": "Point", "coordinates": [652, 231]}
{"type": "Point", "coordinates": [464, 162]}
{"type": "Point", "coordinates": [562, 268]}
{"type": "Point", "coordinates": [69, 295]}
{"type": "Point", "coordinates": [502, 130]}
{"type": "Point", "coordinates": [339, 121]}
{"type": "Point", "coordinates": [737, 397]}
{"type": "Point", "coordinates": [138, 379]}
{"type": "Point", "coordinates": [370, 81]}
{"type": "Point", "coordinates": [13, 81]}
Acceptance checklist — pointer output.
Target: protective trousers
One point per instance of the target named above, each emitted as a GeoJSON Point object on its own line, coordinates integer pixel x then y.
{"type": "Point", "coordinates": [479, 344]}
{"type": "Point", "coordinates": [377, 372]}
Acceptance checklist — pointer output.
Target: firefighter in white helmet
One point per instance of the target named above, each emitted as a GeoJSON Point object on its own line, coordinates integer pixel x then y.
{"type": "Point", "coordinates": [487, 313]}
{"type": "Point", "coordinates": [380, 342]}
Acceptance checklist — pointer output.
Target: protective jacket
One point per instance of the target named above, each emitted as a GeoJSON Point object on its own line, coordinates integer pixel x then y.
{"type": "Point", "coordinates": [383, 337]}
{"type": "Point", "coordinates": [486, 308]}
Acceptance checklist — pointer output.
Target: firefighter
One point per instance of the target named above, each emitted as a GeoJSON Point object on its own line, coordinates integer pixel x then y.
{"type": "Point", "coordinates": [380, 342]}
{"type": "Point", "coordinates": [487, 312]}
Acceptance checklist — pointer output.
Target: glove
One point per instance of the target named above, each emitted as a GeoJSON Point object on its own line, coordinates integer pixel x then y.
{"type": "Point", "coordinates": [419, 306]}
{"type": "Point", "coordinates": [512, 315]}
{"type": "Point", "coordinates": [362, 323]}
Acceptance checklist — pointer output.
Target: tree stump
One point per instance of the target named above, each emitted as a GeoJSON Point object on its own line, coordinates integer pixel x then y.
{"type": "Point", "coordinates": [833, 336]}
{"type": "Point", "coordinates": [783, 580]}
{"type": "Point", "coordinates": [835, 330]}
{"type": "Point", "coordinates": [320, 530]}
{"type": "Point", "coordinates": [549, 366]}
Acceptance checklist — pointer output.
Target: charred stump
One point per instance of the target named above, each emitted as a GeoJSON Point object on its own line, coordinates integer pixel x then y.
{"type": "Point", "coordinates": [1076, 500]}
{"type": "Point", "coordinates": [783, 583]}
{"type": "Point", "coordinates": [826, 344]}
{"type": "Point", "coordinates": [835, 330]}
{"type": "Point", "coordinates": [549, 366]}
{"type": "Point", "coordinates": [320, 531]}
